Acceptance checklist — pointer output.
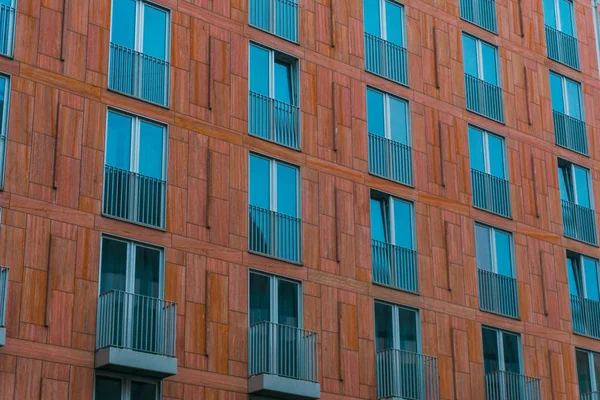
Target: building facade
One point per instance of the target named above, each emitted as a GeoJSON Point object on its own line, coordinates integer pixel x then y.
{"type": "Point", "coordinates": [299, 199]}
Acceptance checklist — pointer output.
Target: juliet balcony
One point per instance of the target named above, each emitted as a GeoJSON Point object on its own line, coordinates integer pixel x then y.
{"type": "Point", "coordinates": [390, 159]}
{"type": "Point", "coordinates": [395, 266]}
{"type": "Point", "coordinates": [570, 132]}
{"type": "Point", "coordinates": [579, 222]}
{"type": "Point", "coordinates": [498, 293]}
{"type": "Point", "coordinates": [274, 120]}
{"type": "Point", "coordinates": [484, 98]}
{"type": "Point", "coordinates": [502, 385]}
{"type": "Point", "coordinates": [481, 13]}
{"type": "Point", "coordinates": [586, 316]}
{"type": "Point", "coordinates": [562, 47]}
{"type": "Point", "coordinates": [491, 193]}
{"type": "Point", "coordinates": [275, 234]}
{"type": "Point", "coordinates": [278, 17]}
{"type": "Point", "coordinates": [386, 59]}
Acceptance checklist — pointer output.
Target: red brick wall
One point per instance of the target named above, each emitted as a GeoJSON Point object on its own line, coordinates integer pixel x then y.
{"type": "Point", "coordinates": [52, 223]}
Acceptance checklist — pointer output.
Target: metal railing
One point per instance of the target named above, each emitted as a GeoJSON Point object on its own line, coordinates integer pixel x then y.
{"type": "Point", "coordinates": [480, 12]}
{"type": "Point", "coordinates": [279, 17]}
{"type": "Point", "coordinates": [562, 47]}
{"type": "Point", "coordinates": [395, 266]}
{"type": "Point", "coordinates": [139, 75]}
{"type": "Point", "coordinates": [386, 59]}
{"type": "Point", "coordinates": [7, 29]}
{"type": "Point", "coordinates": [283, 350]}
{"type": "Point", "coordinates": [484, 98]}
{"type": "Point", "coordinates": [274, 120]}
{"type": "Point", "coordinates": [502, 385]}
{"type": "Point", "coordinates": [579, 222]}
{"type": "Point", "coordinates": [586, 316]}
{"type": "Point", "coordinates": [570, 132]}
{"type": "Point", "coordinates": [134, 197]}
{"type": "Point", "coordinates": [406, 375]}
{"type": "Point", "coordinates": [498, 293]}
{"type": "Point", "coordinates": [590, 396]}
{"type": "Point", "coordinates": [390, 159]}
{"type": "Point", "coordinates": [274, 234]}
{"type": "Point", "coordinates": [135, 322]}
{"type": "Point", "coordinates": [3, 293]}
{"type": "Point", "coordinates": [491, 193]}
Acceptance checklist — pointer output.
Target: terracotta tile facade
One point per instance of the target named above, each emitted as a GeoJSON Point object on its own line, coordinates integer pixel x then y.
{"type": "Point", "coordinates": [52, 219]}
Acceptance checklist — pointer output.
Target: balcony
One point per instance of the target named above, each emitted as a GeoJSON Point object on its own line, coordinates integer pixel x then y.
{"type": "Point", "coordinates": [586, 316]}
{"type": "Point", "coordinates": [282, 362]}
{"type": "Point", "coordinates": [138, 75]}
{"type": "Point", "coordinates": [590, 396]}
{"type": "Point", "coordinates": [579, 223]}
{"type": "Point", "coordinates": [491, 193]}
{"type": "Point", "coordinates": [3, 297]}
{"type": "Point", "coordinates": [502, 385]}
{"type": "Point", "coordinates": [498, 294]}
{"type": "Point", "coordinates": [279, 17]}
{"type": "Point", "coordinates": [136, 334]}
{"type": "Point", "coordinates": [7, 30]}
{"type": "Point", "coordinates": [274, 120]}
{"type": "Point", "coordinates": [390, 159]}
{"type": "Point", "coordinates": [484, 98]}
{"type": "Point", "coordinates": [406, 375]}
{"type": "Point", "coordinates": [386, 59]}
{"type": "Point", "coordinates": [481, 13]}
{"type": "Point", "coordinates": [562, 47]}
{"type": "Point", "coordinates": [395, 266]}
{"type": "Point", "coordinates": [133, 197]}
{"type": "Point", "coordinates": [274, 234]}
{"type": "Point", "coordinates": [570, 132]}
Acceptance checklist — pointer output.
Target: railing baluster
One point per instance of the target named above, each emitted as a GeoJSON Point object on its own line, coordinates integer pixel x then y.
{"type": "Point", "coordinates": [274, 120]}
{"type": "Point", "coordinates": [390, 159]}
{"type": "Point", "coordinates": [562, 47]}
{"type": "Point", "coordinates": [274, 234]}
{"type": "Point", "coordinates": [386, 59]}
{"type": "Point", "coordinates": [484, 98]}
{"type": "Point", "coordinates": [394, 266]}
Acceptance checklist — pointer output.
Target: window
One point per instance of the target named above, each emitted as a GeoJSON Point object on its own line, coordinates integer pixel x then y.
{"type": "Point", "coordinates": [584, 287]}
{"type": "Point", "coordinates": [390, 154]}
{"type": "Point", "coordinates": [561, 33]}
{"type": "Point", "coordinates": [111, 386]}
{"type": "Point", "coordinates": [579, 219]}
{"type": "Point", "coordinates": [393, 242]}
{"type": "Point", "coordinates": [7, 26]}
{"type": "Point", "coordinates": [491, 189]}
{"type": "Point", "coordinates": [4, 104]}
{"type": "Point", "coordinates": [567, 113]}
{"type": "Point", "coordinates": [139, 50]}
{"type": "Point", "coordinates": [274, 220]}
{"type": "Point", "coordinates": [588, 373]}
{"type": "Point", "coordinates": [274, 97]}
{"type": "Point", "coordinates": [135, 169]}
{"type": "Point", "coordinates": [480, 12]}
{"type": "Point", "coordinates": [385, 39]}
{"type": "Point", "coordinates": [482, 78]}
{"type": "Point", "coordinates": [279, 17]}
{"type": "Point", "coordinates": [274, 299]}
{"type": "Point", "coordinates": [501, 351]}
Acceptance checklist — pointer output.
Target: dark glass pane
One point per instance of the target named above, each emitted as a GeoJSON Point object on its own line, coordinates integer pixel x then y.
{"type": "Point", "coordinates": [260, 298]}
{"type": "Point", "coordinates": [491, 360]}
{"type": "Point", "coordinates": [573, 97]}
{"type": "Point", "coordinates": [287, 303]}
{"type": "Point", "coordinates": [408, 330]}
{"type": "Point", "coordinates": [114, 265]}
{"type": "Point", "coordinates": [565, 9]}
{"type": "Point", "coordinates": [581, 184]}
{"type": "Point", "coordinates": [512, 360]}
{"type": "Point", "coordinates": [147, 271]}
{"type": "Point", "coordinates": [490, 71]}
{"type": "Point", "coordinates": [384, 331]}
{"type": "Point", "coordinates": [483, 248]}
{"type": "Point", "coordinates": [549, 13]}
{"type": "Point", "coordinates": [583, 371]}
{"type": "Point", "coordinates": [143, 391]}
{"type": "Point", "coordinates": [107, 388]}
{"type": "Point", "coordinates": [592, 291]}
{"type": "Point", "coordinates": [575, 283]}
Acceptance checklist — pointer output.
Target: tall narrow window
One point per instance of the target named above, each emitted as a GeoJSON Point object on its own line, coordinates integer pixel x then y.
{"type": "Point", "coordinates": [567, 113]}
{"type": "Point", "coordinates": [579, 218]}
{"type": "Point", "coordinates": [482, 78]}
{"type": "Point", "coordinates": [497, 279]}
{"type": "Point", "coordinates": [274, 113]}
{"type": "Point", "coordinates": [385, 39]}
{"type": "Point", "coordinates": [8, 14]}
{"type": "Point", "coordinates": [481, 13]}
{"type": "Point", "coordinates": [4, 103]}
{"type": "Point", "coordinates": [561, 32]}
{"type": "Point", "coordinates": [502, 362]}
{"type": "Point", "coordinates": [584, 287]}
{"type": "Point", "coordinates": [275, 227]}
{"type": "Point", "coordinates": [111, 386]}
{"type": "Point", "coordinates": [390, 152]}
{"type": "Point", "coordinates": [139, 50]}
{"type": "Point", "coordinates": [588, 374]}
{"type": "Point", "coordinates": [491, 189]}
{"type": "Point", "coordinates": [135, 170]}
{"type": "Point", "coordinates": [3, 299]}
{"type": "Point", "coordinates": [279, 17]}
{"type": "Point", "coordinates": [393, 242]}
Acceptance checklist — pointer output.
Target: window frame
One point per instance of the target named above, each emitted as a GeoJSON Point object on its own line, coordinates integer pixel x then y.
{"type": "Point", "coordinates": [274, 280]}
{"type": "Point", "coordinates": [493, 250]}
{"type": "Point", "coordinates": [565, 94]}
{"type": "Point", "coordinates": [478, 48]}
{"type": "Point", "coordinates": [500, 344]}
{"type": "Point", "coordinates": [383, 33]}
{"type": "Point", "coordinates": [126, 380]}
{"type": "Point", "coordinates": [396, 323]}
{"type": "Point", "coordinates": [558, 21]}
{"type": "Point", "coordinates": [579, 258]}
{"type": "Point", "coordinates": [386, 114]}
{"type": "Point", "coordinates": [590, 188]}
{"type": "Point", "coordinates": [594, 380]}
{"type": "Point", "coordinates": [4, 127]}
{"type": "Point", "coordinates": [391, 222]}
{"type": "Point", "coordinates": [485, 134]}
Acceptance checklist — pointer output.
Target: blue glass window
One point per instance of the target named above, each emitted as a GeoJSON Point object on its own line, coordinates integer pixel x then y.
{"type": "Point", "coordinates": [375, 112]}
{"type": "Point", "coordinates": [260, 182]}
{"type": "Point", "coordinates": [494, 250]}
{"type": "Point", "coordinates": [273, 74]}
{"type": "Point", "coordinates": [394, 22]}
{"type": "Point", "coordinates": [470, 56]}
{"type": "Point", "coordinates": [558, 14]}
{"type": "Point", "coordinates": [118, 140]}
{"type": "Point", "coordinates": [274, 299]}
{"type": "Point", "coordinates": [574, 183]}
{"type": "Point", "coordinates": [259, 63]}
{"type": "Point", "coordinates": [392, 220]}
{"type": "Point", "coordinates": [583, 276]}
{"type": "Point", "coordinates": [566, 96]}
{"type": "Point", "coordinates": [385, 19]}
{"type": "Point", "coordinates": [379, 230]}
{"type": "Point", "coordinates": [480, 59]}
{"type": "Point", "coordinates": [372, 17]}
{"type": "Point", "coordinates": [4, 94]}
{"type": "Point", "coordinates": [487, 152]}
{"type": "Point", "coordinates": [387, 116]}
{"type": "Point", "coordinates": [155, 34]}
{"type": "Point", "coordinates": [274, 185]}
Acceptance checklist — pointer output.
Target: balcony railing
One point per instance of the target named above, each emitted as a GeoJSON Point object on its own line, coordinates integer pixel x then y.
{"type": "Point", "coordinates": [591, 396]}
{"type": "Point", "coordinates": [3, 293]}
{"type": "Point", "coordinates": [275, 234]}
{"type": "Point", "coordinates": [586, 316]}
{"type": "Point", "coordinates": [282, 350]}
{"type": "Point", "coordinates": [279, 17]}
{"type": "Point", "coordinates": [135, 322]}
{"type": "Point", "coordinates": [406, 375]}
{"type": "Point", "coordinates": [386, 59]}
{"type": "Point", "coordinates": [139, 75]}
{"type": "Point", "coordinates": [579, 222]}
{"type": "Point", "coordinates": [274, 120]}
{"type": "Point", "coordinates": [501, 385]}
{"type": "Point", "coordinates": [480, 12]}
{"type": "Point", "coordinates": [395, 266]}
{"type": "Point", "coordinates": [134, 197]}
{"type": "Point", "coordinates": [498, 293]}
{"type": "Point", "coordinates": [7, 29]}
{"type": "Point", "coordinates": [491, 193]}
{"type": "Point", "coordinates": [390, 159]}
{"type": "Point", "coordinates": [570, 132]}
{"type": "Point", "coordinates": [562, 47]}
{"type": "Point", "coordinates": [484, 98]}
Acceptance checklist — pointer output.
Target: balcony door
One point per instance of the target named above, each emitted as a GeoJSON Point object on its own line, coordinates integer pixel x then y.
{"type": "Point", "coordinates": [584, 287]}
{"type": "Point", "coordinates": [588, 374]}
{"type": "Point", "coordinates": [124, 387]}
{"type": "Point", "coordinates": [574, 182]}
{"type": "Point", "coordinates": [131, 279]}
{"type": "Point", "coordinates": [481, 60]}
{"type": "Point", "coordinates": [503, 365]}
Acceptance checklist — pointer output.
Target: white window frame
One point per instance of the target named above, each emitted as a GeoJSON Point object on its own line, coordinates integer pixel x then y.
{"type": "Point", "coordinates": [396, 323]}
{"type": "Point", "coordinates": [578, 257]}
{"type": "Point", "coordinates": [276, 55]}
{"type": "Point", "coordinates": [386, 114]}
{"type": "Point", "coordinates": [126, 380]}
{"type": "Point", "coordinates": [274, 296]}
{"type": "Point", "coordinates": [478, 47]}
{"type": "Point", "coordinates": [485, 134]}
{"type": "Point", "coordinates": [4, 128]}
{"type": "Point", "coordinates": [500, 343]}
{"type": "Point", "coordinates": [383, 20]}
{"type": "Point", "coordinates": [558, 18]}
{"type": "Point", "coordinates": [493, 250]}
{"type": "Point", "coordinates": [594, 380]}
{"type": "Point", "coordinates": [391, 222]}
{"type": "Point", "coordinates": [574, 182]}
{"type": "Point", "coordinates": [565, 94]}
